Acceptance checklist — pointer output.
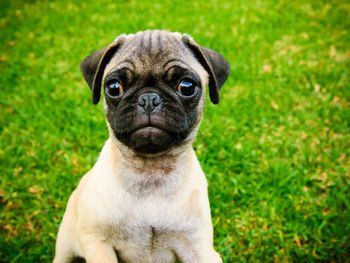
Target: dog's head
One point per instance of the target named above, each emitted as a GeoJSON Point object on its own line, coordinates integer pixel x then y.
{"type": "Point", "coordinates": [154, 87]}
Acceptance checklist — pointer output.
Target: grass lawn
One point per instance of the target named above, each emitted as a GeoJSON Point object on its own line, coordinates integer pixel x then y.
{"type": "Point", "coordinates": [276, 149]}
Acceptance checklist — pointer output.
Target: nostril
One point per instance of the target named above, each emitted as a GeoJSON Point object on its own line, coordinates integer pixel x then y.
{"type": "Point", "coordinates": [142, 101]}
{"type": "Point", "coordinates": [155, 99]}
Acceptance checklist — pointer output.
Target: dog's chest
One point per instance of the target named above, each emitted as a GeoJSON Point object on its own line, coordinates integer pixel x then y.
{"type": "Point", "coordinates": [150, 233]}
{"type": "Point", "coordinates": [142, 243]}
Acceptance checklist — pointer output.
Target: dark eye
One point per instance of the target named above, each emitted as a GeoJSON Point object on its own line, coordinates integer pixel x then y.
{"type": "Point", "coordinates": [114, 89]}
{"type": "Point", "coordinates": [187, 88]}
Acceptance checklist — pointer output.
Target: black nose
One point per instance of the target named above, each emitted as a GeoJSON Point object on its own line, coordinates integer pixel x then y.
{"type": "Point", "coordinates": [149, 101]}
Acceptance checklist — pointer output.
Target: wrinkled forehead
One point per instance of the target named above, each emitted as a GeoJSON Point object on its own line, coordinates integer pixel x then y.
{"type": "Point", "coordinates": [152, 51]}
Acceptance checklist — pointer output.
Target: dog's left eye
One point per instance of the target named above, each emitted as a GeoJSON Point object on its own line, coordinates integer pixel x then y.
{"type": "Point", "coordinates": [114, 89]}
{"type": "Point", "coordinates": [187, 88]}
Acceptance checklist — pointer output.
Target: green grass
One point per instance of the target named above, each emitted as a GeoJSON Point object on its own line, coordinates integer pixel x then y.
{"type": "Point", "coordinates": [276, 150]}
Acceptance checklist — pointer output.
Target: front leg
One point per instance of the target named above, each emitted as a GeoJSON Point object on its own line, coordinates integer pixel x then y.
{"type": "Point", "coordinates": [204, 255]}
{"type": "Point", "coordinates": [190, 250]}
{"type": "Point", "coordinates": [97, 251]}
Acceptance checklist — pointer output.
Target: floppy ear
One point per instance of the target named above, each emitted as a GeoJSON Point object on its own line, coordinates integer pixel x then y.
{"type": "Point", "coordinates": [215, 64]}
{"type": "Point", "coordinates": [93, 67]}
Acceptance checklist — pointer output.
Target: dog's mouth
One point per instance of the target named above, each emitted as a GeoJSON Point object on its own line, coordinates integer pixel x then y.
{"type": "Point", "coordinates": [152, 133]}
{"type": "Point", "coordinates": [150, 139]}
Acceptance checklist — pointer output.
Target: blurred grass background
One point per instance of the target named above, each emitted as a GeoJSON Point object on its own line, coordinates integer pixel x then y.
{"type": "Point", "coordinates": [275, 150]}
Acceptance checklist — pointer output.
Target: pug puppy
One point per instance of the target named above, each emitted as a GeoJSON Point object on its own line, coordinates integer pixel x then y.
{"type": "Point", "coordinates": [145, 200]}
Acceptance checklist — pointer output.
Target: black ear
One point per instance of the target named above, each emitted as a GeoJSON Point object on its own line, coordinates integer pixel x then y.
{"type": "Point", "coordinates": [93, 67]}
{"type": "Point", "coordinates": [215, 64]}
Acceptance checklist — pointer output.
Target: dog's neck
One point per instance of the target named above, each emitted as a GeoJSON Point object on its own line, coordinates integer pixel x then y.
{"type": "Point", "coordinates": [142, 175]}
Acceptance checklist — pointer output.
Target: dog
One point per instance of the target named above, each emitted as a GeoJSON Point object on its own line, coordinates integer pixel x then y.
{"type": "Point", "coordinates": [145, 200]}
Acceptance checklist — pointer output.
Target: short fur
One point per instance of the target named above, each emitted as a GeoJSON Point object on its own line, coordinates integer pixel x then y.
{"type": "Point", "coordinates": [145, 200]}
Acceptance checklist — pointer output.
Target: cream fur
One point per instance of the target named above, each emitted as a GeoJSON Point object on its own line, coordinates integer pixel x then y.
{"type": "Point", "coordinates": [106, 212]}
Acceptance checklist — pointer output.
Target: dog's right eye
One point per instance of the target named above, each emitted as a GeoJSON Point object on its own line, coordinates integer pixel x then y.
{"type": "Point", "coordinates": [114, 89]}
{"type": "Point", "coordinates": [187, 89]}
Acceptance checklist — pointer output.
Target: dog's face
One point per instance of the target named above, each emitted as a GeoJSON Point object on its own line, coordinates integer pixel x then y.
{"type": "Point", "coordinates": [154, 87]}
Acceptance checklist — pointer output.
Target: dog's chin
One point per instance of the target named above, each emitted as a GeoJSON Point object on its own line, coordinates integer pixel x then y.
{"type": "Point", "coordinates": [150, 140]}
